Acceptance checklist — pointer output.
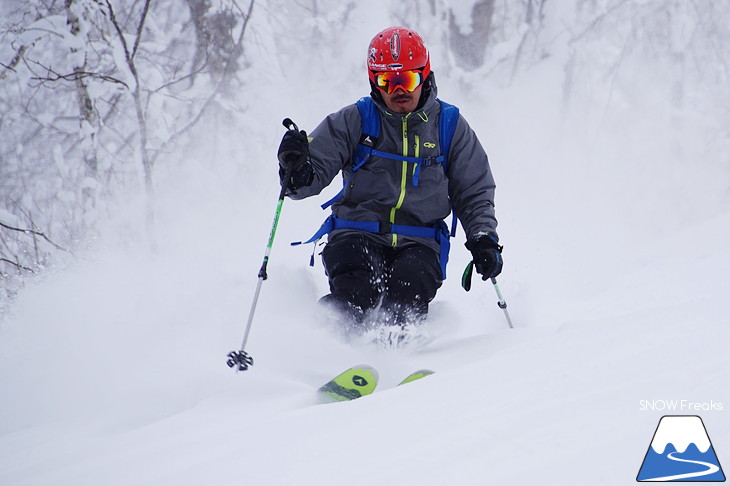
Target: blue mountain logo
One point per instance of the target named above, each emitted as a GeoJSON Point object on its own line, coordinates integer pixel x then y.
{"type": "Point", "coordinates": [681, 451]}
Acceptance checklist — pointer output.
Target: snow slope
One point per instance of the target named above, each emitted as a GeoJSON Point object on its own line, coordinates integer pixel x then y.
{"type": "Point", "coordinates": [113, 371]}
{"type": "Point", "coordinates": [132, 390]}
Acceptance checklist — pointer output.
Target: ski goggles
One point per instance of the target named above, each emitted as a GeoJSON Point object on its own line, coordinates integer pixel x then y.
{"type": "Point", "coordinates": [389, 81]}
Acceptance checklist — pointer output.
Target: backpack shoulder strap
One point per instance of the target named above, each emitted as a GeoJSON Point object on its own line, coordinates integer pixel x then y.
{"type": "Point", "coordinates": [370, 118]}
{"type": "Point", "coordinates": [369, 133]}
{"type": "Point", "coordinates": [448, 119]}
{"type": "Point", "coordinates": [447, 126]}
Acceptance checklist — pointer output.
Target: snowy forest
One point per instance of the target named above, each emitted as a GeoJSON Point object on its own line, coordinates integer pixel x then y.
{"type": "Point", "coordinates": [138, 179]}
{"type": "Point", "coordinates": [94, 95]}
{"type": "Point", "coordinates": [103, 102]}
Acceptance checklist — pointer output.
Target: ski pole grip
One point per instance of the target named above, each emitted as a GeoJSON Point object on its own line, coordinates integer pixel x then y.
{"type": "Point", "coordinates": [289, 124]}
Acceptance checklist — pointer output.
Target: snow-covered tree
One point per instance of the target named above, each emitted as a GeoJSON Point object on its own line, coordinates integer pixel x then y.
{"type": "Point", "coordinates": [93, 93]}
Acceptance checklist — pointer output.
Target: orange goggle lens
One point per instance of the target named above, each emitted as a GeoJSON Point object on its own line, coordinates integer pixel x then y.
{"type": "Point", "coordinates": [389, 81]}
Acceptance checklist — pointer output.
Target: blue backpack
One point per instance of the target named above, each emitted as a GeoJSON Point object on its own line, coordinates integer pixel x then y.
{"type": "Point", "coordinates": [370, 119]}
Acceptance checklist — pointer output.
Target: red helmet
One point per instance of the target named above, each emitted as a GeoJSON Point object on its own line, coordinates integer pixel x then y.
{"type": "Point", "coordinates": [397, 49]}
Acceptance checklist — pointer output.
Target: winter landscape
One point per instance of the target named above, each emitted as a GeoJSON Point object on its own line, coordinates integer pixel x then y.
{"type": "Point", "coordinates": [606, 123]}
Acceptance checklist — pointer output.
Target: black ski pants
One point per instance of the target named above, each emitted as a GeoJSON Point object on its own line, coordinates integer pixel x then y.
{"type": "Point", "coordinates": [361, 271]}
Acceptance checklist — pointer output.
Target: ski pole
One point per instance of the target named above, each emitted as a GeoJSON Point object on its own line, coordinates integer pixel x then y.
{"type": "Point", "coordinates": [240, 358]}
{"type": "Point", "coordinates": [501, 302]}
{"type": "Point", "coordinates": [466, 283]}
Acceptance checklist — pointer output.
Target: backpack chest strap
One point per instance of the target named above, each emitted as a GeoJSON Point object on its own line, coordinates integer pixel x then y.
{"type": "Point", "coordinates": [419, 161]}
{"type": "Point", "coordinates": [365, 152]}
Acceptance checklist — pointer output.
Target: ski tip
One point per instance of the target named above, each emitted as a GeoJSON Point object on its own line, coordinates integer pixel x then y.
{"type": "Point", "coordinates": [416, 375]}
{"type": "Point", "coordinates": [352, 383]}
{"type": "Point", "coordinates": [364, 367]}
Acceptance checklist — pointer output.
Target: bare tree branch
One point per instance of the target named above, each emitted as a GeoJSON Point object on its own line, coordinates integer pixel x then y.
{"type": "Point", "coordinates": [189, 75]}
{"type": "Point", "coordinates": [13, 62]}
{"type": "Point", "coordinates": [17, 265]}
{"type": "Point", "coordinates": [592, 26]}
{"type": "Point", "coordinates": [54, 77]}
{"type": "Point", "coordinates": [145, 9]}
{"type": "Point", "coordinates": [32, 232]}
{"type": "Point", "coordinates": [120, 35]}
{"type": "Point", "coordinates": [216, 89]}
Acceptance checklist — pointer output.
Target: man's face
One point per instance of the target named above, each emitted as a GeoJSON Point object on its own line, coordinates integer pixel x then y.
{"type": "Point", "coordinates": [401, 101]}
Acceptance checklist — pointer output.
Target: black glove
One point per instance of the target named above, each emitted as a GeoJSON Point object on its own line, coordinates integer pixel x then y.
{"type": "Point", "coordinates": [486, 255]}
{"type": "Point", "coordinates": [294, 157]}
{"type": "Point", "coordinates": [293, 150]}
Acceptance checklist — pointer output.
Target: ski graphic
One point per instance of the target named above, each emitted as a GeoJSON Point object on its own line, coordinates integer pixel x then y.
{"type": "Point", "coordinates": [350, 384]}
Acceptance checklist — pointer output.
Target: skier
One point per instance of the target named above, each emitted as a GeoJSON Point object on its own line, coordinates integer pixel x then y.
{"type": "Point", "coordinates": [387, 246]}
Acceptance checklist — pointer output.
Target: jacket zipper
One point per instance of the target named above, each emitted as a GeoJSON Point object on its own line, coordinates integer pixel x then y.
{"type": "Point", "coordinates": [417, 152]}
{"type": "Point", "coordinates": [403, 179]}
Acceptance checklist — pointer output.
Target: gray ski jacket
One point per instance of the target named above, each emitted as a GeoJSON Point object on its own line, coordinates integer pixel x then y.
{"type": "Point", "coordinates": [382, 189]}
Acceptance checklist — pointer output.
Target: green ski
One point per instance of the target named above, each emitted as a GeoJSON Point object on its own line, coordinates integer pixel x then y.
{"type": "Point", "coordinates": [416, 375]}
{"type": "Point", "coordinates": [351, 384]}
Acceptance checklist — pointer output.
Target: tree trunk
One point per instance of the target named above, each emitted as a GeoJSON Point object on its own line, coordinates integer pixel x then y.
{"type": "Point", "coordinates": [469, 49]}
{"type": "Point", "coordinates": [88, 117]}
